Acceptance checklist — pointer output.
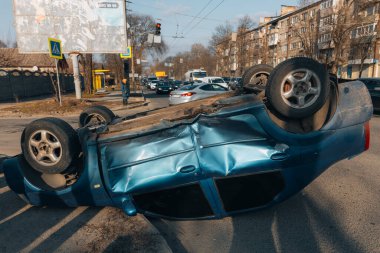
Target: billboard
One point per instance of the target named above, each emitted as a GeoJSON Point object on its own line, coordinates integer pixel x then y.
{"type": "Point", "coordinates": [85, 26]}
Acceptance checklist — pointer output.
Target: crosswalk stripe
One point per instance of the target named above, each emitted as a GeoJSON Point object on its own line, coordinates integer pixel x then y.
{"type": "Point", "coordinates": [4, 190]}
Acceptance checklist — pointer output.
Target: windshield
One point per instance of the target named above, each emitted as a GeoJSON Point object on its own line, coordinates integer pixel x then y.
{"type": "Point", "coordinates": [163, 84]}
{"type": "Point", "coordinates": [219, 80]}
{"type": "Point", "coordinates": [189, 87]}
{"type": "Point", "coordinates": [199, 74]}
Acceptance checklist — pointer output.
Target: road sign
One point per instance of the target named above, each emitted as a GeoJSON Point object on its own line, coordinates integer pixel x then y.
{"type": "Point", "coordinates": [127, 55]}
{"type": "Point", "coordinates": [55, 48]}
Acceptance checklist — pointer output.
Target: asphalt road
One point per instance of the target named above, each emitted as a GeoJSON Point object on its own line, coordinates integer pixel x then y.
{"type": "Point", "coordinates": [339, 212]}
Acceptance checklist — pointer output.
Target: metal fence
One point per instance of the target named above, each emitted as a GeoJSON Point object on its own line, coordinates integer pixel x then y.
{"type": "Point", "coordinates": [16, 85]}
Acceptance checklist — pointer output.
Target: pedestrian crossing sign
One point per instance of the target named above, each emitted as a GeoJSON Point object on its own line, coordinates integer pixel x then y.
{"type": "Point", "coordinates": [128, 54]}
{"type": "Point", "coordinates": [55, 48]}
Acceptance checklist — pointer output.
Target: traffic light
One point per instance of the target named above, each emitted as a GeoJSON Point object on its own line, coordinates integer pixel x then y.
{"type": "Point", "coordinates": [158, 29]}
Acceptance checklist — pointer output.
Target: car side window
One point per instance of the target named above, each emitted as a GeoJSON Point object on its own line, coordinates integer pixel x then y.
{"type": "Point", "coordinates": [206, 87]}
{"type": "Point", "coordinates": [218, 88]}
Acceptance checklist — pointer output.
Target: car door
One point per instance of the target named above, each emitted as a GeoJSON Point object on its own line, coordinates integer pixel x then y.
{"type": "Point", "coordinates": [160, 172]}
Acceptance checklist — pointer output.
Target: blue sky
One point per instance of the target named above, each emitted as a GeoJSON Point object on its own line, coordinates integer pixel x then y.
{"type": "Point", "coordinates": [175, 17]}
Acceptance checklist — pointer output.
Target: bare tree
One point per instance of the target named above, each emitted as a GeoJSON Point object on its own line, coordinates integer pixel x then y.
{"type": "Point", "coordinates": [87, 63]}
{"type": "Point", "coordinates": [7, 58]}
{"type": "Point", "coordinates": [198, 57]}
{"type": "Point", "coordinates": [221, 33]}
{"type": "Point", "coordinates": [347, 17]}
{"type": "Point", "coordinates": [245, 23]}
{"type": "Point", "coordinates": [141, 26]}
{"type": "Point", "coordinates": [362, 48]}
{"type": "Point", "coordinates": [2, 44]}
{"type": "Point", "coordinates": [307, 31]}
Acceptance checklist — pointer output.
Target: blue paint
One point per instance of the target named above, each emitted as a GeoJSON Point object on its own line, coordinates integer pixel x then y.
{"type": "Point", "coordinates": [235, 141]}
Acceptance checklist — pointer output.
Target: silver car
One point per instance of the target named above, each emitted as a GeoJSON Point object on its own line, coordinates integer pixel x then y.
{"type": "Point", "coordinates": [194, 92]}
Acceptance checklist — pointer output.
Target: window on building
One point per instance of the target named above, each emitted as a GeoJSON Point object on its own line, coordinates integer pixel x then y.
{"type": "Point", "coordinates": [363, 31]}
{"type": "Point", "coordinates": [324, 38]}
{"type": "Point", "coordinates": [327, 4]}
{"type": "Point", "coordinates": [304, 16]}
{"type": "Point", "coordinates": [294, 20]}
{"type": "Point", "coordinates": [326, 21]}
{"type": "Point", "coordinates": [371, 10]}
{"type": "Point", "coordinates": [312, 13]}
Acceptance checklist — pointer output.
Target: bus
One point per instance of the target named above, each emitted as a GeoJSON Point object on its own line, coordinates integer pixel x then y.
{"type": "Point", "coordinates": [195, 75]}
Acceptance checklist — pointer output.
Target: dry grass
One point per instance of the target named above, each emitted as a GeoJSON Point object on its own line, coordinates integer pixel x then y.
{"type": "Point", "coordinates": [49, 107]}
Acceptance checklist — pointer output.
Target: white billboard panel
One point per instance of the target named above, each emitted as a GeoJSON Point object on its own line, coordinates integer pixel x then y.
{"type": "Point", "coordinates": [86, 26]}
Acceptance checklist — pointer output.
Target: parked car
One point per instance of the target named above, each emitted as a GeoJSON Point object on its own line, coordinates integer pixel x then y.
{"type": "Point", "coordinates": [373, 86]}
{"type": "Point", "coordinates": [235, 83]}
{"type": "Point", "coordinates": [152, 84]}
{"type": "Point", "coordinates": [195, 92]}
{"type": "Point", "coordinates": [210, 158]}
{"type": "Point", "coordinates": [226, 79]}
{"type": "Point", "coordinates": [163, 87]}
{"type": "Point", "coordinates": [215, 80]}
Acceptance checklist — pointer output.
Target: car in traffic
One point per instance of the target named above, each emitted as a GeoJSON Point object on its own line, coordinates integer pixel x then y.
{"type": "Point", "coordinates": [195, 92]}
{"type": "Point", "coordinates": [235, 83]}
{"type": "Point", "coordinates": [152, 84]}
{"type": "Point", "coordinates": [215, 80]}
{"type": "Point", "coordinates": [373, 86]}
{"type": "Point", "coordinates": [207, 159]}
{"type": "Point", "coordinates": [176, 84]}
{"type": "Point", "coordinates": [163, 87]}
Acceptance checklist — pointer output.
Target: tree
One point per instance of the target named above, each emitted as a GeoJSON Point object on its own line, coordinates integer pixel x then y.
{"type": "Point", "coordinates": [347, 17]}
{"type": "Point", "coordinates": [307, 31]}
{"type": "Point", "coordinates": [198, 57]}
{"type": "Point", "coordinates": [2, 44]}
{"type": "Point", "coordinates": [87, 63]}
{"type": "Point", "coordinates": [140, 27]}
{"type": "Point", "coordinates": [221, 33]}
{"type": "Point", "coordinates": [245, 24]}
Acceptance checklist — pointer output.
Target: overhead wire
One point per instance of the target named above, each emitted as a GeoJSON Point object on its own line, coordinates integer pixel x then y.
{"type": "Point", "coordinates": [189, 23]}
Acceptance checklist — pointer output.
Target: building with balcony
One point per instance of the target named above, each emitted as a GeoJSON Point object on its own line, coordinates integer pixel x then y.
{"type": "Point", "coordinates": [311, 31]}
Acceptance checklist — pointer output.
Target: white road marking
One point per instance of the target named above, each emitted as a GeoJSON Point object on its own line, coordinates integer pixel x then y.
{"type": "Point", "coordinates": [4, 190]}
{"type": "Point", "coordinates": [15, 214]}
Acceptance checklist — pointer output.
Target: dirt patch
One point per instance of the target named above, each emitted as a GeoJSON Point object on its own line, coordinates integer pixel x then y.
{"type": "Point", "coordinates": [49, 107]}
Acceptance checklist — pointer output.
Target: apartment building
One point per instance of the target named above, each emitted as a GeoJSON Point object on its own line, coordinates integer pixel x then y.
{"type": "Point", "coordinates": [312, 31]}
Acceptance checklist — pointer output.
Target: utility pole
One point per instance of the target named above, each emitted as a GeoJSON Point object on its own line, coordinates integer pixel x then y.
{"type": "Point", "coordinates": [126, 87]}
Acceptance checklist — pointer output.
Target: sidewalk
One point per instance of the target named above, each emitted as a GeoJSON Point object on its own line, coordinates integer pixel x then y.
{"type": "Point", "coordinates": [113, 100]}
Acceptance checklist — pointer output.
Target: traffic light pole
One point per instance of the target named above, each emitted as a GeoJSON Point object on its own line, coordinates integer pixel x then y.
{"type": "Point", "coordinates": [126, 86]}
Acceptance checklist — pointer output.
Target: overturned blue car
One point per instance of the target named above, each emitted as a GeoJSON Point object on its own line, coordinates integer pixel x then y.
{"type": "Point", "coordinates": [210, 158]}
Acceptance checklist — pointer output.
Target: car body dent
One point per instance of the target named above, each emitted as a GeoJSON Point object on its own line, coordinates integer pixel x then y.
{"type": "Point", "coordinates": [235, 141]}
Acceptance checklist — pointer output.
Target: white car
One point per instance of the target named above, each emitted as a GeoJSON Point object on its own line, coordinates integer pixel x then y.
{"type": "Point", "coordinates": [215, 80]}
{"type": "Point", "coordinates": [153, 84]}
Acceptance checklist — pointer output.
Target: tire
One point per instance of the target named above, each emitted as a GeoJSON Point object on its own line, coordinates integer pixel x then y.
{"type": "Point", "coordinates": [50, 145]}
{"type": "Point", "coordinates": [257, 76]}
{"type": "Point", "coordinates": [96, 115]}
{"type": "Point", "coordinates": [297, 88]}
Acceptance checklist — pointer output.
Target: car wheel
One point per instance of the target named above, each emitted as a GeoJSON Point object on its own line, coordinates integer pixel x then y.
{"type": "Point", "coordinates": [298, 87]}
{"type": "Point", "coordinates": [50, 145]}
{"type": "Point", "coordinates": [257, 76]}
{"type": "Point", "coordinates": [96, 115]}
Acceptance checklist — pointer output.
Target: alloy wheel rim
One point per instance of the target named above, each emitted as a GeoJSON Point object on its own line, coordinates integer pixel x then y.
{"type": "Point", "coordinates": [45, 148]}
{"type": "Point", "coordinates": [300, 89]}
